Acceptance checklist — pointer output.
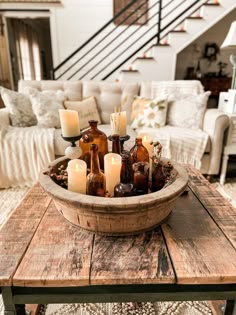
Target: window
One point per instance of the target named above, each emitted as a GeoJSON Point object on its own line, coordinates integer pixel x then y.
{"type": "Point", "coordinates": [27, 51]}
{"type": "Point", "coordinates": [139, 8]}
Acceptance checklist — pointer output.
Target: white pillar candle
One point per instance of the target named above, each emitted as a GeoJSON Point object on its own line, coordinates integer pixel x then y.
{"type": "Point", "coordinates": [69, 122]}
{"type": "Point", "coordinates": [112, 167]}
{"type": "Point", "coordinates": [77, 174]}
{"type": "Point", "coordinates": [146, 140]}
{"type": "Point", "coordinates": [119, 123]}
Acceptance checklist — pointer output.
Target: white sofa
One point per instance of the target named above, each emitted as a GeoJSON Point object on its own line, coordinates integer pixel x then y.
{"type": "Point", "coordinates": [108, 96]}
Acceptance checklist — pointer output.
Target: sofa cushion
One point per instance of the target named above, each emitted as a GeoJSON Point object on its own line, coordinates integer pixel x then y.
{"type": "Point", "coordinates": [187, 110]}
{"type": "Point", "coordinates": [148, 112]}
{"type": "Point", "coordinates": [87, 110]}
{"type": "Point", "coordinates": [19, 107]}
{"type": "Point", "coordinates": [46, 105]}
{"type": "Point", "coordinates": [111, 96]}
{"type": "Point", "coordinates": [72, 89]}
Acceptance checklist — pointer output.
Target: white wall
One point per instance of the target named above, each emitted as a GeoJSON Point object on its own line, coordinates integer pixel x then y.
{"type": "Point", "coordinates": [74, 21]}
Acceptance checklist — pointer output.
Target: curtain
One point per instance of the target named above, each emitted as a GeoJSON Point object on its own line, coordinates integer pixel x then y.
{"type": "Point", "coordinates": [27, 51]}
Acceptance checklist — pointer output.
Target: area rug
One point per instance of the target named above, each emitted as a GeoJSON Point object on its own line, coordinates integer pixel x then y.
{"type": "Point", "coordinates": [10, 198]}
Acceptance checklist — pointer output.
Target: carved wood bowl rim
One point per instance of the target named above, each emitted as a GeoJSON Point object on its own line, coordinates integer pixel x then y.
{"type": "Point", "coordinates": [119, 204]}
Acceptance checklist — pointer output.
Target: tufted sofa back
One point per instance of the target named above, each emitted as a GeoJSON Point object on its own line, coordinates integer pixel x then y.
{"type": "Point", "coordinates": [114, 95]}
{"type": "Point", "coordinates": [111, 95]}
{"type": "Point", "coordinates": [72, 89]}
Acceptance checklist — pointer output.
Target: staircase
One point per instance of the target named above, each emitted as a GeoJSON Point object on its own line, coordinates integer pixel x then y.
{"type": "Point", "coordinates": [145, 52]}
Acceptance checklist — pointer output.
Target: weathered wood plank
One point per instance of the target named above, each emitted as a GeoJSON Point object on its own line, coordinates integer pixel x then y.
{"type": "Point", "coordinates": [132, 259]}
{"type": "Point", "coordinates": [18, 231]}
{"type": "Point", "coordinates": [223, 213]}
{"type": "Point", "coordinates": [199, 250]}
{"type": "Point", "coordinates": [59, 254]}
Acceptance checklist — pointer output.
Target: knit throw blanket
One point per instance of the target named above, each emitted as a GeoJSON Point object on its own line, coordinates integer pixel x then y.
{"type": "Point", "coordinates": [192, 87]}
{"type": "Point", "coordinates": [24, 152]}
{"type": "Point", "coordinates": [180, 144]}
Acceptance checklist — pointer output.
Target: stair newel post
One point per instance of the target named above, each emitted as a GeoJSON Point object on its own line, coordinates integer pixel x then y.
{"type": "Point", "coordinates": [159, 22]}
{"type": "Point", "coordinates": [52, 75]}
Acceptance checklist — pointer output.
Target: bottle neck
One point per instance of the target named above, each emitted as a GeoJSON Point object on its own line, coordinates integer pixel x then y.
{"type": "Point", "coordinates": [95, 165]}
{"type": "Point", "coordinates": [116, 144]}
{"type": "Point", "coordinates": [93, 124]}
{"type": "Point", "coordinates": [125, 174]}
{"type": "Point", "coordinates": [138, 141]}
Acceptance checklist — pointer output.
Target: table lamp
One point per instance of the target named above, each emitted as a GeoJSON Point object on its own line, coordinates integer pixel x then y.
{"type": "Point", "coordinates": [230, 42]}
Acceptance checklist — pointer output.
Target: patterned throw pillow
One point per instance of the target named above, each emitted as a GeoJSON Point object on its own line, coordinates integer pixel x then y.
{"type": "Point", "coordinates": [46, 105]}
{"type": "Point", "coordinates": [187, 110]}
{"type": "Point", "coordinates": [149, 113]}
{"type": "Point", "coordinates": [20, 108]}
{"type": "Point", "coordinates": [87, 110]}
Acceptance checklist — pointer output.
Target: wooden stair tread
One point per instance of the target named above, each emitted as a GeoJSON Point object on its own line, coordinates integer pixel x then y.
{"type": "Point", "coordinates": [178, 31]}
{"type": "Point", "coordinates": [194, 17]}
{"type": "Point", "coordinates": [212, 4]}
{"type": "Point", "coordinates": [145, 58]}
{"type": "Point", "coordinates": [161, 45]}
{"type": "Point", "coordinates": [127, 70]}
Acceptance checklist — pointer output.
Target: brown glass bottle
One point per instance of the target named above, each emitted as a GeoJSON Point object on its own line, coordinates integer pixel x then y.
{"type": "Point", "coordinates": [138, 152]}
{"type": "Point", "coordinates": [96, 180]}
{"type": "Point", "coordinates": [93, 135]}
{"type": "Point", "coordinates": [125, 188]}
{"type": "Point", "coordinates": [140, 178]}
{"type": "Point", "coordinates": [158, 177]}
{"type": "Point", "coordinates": [116, 144]}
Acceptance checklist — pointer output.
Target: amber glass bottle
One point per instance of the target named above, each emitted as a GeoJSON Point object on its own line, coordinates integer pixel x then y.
{"type": "Point", "coordinates": [93, 135]}
{"type": "Point", "coordinates": [158, 177]}
{"type": "Point", "coordinates": [125, 188]}
{"type": "Point", "coordinates": [116, 144]}
{"type": "Point", "coordinates": [96, 180]}
{"type": "Point", "coordinates": [138, 152]}
{"type": "Point", "coordinates": [140, 178]}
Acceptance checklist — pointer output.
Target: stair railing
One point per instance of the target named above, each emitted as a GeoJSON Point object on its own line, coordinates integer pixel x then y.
{"type": "Point", "coordinates": [163, 28]}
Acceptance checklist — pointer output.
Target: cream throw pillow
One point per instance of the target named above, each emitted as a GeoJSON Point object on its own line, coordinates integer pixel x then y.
{"type": "Point", "coordinates": [87, 110]}
{"type": "Point", "coordinates": [19, 107]}
{"type": "Point", "coordinates": [46, 105]}
{"type": "Point", "coordinates": [187, 110]}
{"type": "Point", "coordinates": [149, 113]}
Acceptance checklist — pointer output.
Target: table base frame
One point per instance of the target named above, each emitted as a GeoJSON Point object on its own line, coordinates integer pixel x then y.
{"type": "Point", "coordinates": [14, 296]}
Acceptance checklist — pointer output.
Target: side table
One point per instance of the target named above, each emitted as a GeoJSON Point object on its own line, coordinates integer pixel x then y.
{"type": "Point", "coordinates": [229, 148]}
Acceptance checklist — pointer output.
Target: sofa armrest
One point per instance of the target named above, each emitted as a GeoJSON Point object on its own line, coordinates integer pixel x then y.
{"type": "Point", "coordinates": [214, 124]}
{"type": "Point", "coordinates": [4, 118]}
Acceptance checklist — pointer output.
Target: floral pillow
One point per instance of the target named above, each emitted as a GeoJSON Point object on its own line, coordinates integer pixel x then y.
{"type": "Point", "coordinates": [187, 110]}
{"type": "Point", "coordinates": [87, 110]}
{"type": "Point", "coordinates": [19, 107]}
{"type": "Point", "coordinates": [149, 113]}
{"type": "Point", "coordinates": [46, 105]}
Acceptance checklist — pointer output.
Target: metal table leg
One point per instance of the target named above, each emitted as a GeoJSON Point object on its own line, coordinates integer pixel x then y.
{"type": "Point", "coordinates": [9, 306]}
{"type": "Point", "coordinates": [230, 308]}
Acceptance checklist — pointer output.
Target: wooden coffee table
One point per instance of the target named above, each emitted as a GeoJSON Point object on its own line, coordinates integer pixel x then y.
{"type": "Point", "coordinates": [191, 256]}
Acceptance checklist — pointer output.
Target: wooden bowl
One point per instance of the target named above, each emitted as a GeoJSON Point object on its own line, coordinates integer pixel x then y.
{"type": "Point", "coordinates": [116, 216]}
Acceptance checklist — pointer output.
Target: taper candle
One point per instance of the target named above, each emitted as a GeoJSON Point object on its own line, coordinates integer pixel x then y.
{"type": "Point", "coordinates": [112, 167]}
{"type": "Point", "coordinates": [77, 174]}
{"type": "Point", "coordinates": [69, 122]}
{"type": "Point", "coordinates": [119, 123]}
